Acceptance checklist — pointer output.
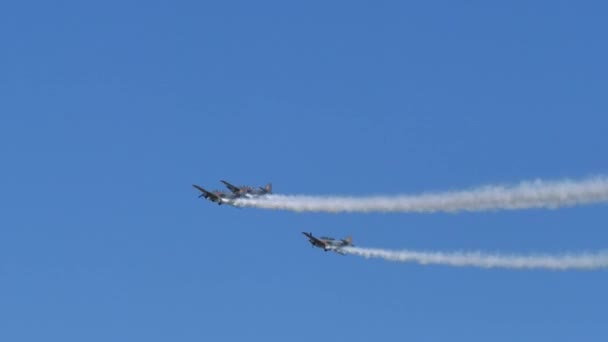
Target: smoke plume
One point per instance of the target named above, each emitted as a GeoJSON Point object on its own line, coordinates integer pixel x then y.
{"type": "Point", "coordinates": [582, 261]}
{"type": "Point", "coordinates": [530, 194]}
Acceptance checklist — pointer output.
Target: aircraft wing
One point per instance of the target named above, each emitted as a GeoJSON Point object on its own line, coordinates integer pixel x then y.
{"type": "Point", "coordinates": [315, 240]}
{"type": "Point", "coordinates": [206, 194]}
{"type": "Point", "coordinates": [234, 189]}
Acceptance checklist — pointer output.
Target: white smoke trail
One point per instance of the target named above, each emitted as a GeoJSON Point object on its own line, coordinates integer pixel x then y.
{"type": "Point", "coordinates": [583, 261]}
{"type": "Point", "coordinates": [532, 194]}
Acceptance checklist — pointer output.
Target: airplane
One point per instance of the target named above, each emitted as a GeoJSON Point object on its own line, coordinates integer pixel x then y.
{"type": "Point", "coordinates": [216, 196]}
{"type": "Point", "coordinates": [247, 191]}
{"type": "Point", "coordinates": [329, 244]}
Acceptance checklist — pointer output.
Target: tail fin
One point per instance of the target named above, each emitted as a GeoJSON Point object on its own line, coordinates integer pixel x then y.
{"type": "Point", "coordinates": [349, 241]}
{"type": "Point", "coordinates": [268, 188]}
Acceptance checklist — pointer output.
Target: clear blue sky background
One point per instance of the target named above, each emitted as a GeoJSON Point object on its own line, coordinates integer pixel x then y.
{"type": "Point", "coordinates": [109, 111]}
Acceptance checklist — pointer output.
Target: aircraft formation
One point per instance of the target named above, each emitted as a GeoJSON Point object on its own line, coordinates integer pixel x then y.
{"type": "Point", "coordinates": [537, 194]}
{"type": "Point", "coordinates": [237, 192]}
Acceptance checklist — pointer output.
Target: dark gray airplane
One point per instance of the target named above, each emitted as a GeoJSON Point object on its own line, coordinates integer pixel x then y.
{"type": "Point", "coordinates": [329, 244]}
{"type": "Point", "coordinates": [217, 196]}
{"type": "Point", "coordinates": [247, 191]}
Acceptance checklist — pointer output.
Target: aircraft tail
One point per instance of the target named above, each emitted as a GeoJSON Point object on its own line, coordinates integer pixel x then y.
{"type": "Point", "coordinates": [349, 241]}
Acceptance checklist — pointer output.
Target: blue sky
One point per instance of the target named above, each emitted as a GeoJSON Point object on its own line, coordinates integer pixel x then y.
{"type": "Point", "coordinates": [110, 111]}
